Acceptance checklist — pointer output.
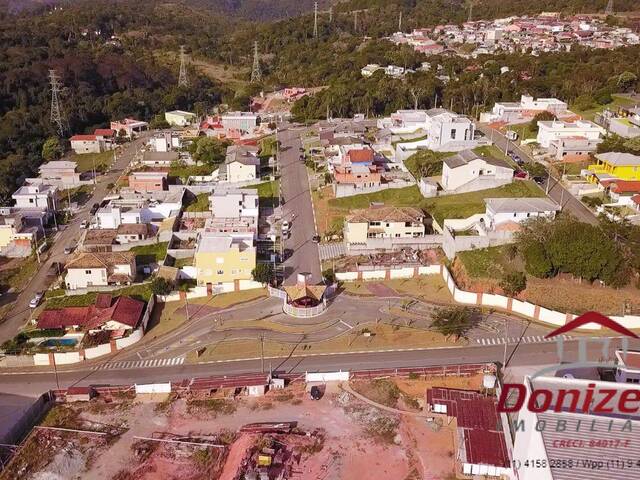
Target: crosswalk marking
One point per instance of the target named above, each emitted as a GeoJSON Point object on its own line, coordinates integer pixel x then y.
{"type": "Point", "coordinates": [125, 365]}
{"type": "Point", "coordinates": [513, 340]}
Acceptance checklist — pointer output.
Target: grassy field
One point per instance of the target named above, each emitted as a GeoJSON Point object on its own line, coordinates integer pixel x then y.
{"type": "Point", "coordinates": [485, 262]}
{"type": "Point", "coordinates": [150, 253]}
{"type": "Point", "coordinates": [185, 171]}
{"type": "Point", "coordinates": [86, 161]}
{"type": "Point", "coordinates": [268, 146]}
{"type": "Point", "coordinates": [139, 291]}
{"type": "Point", "coordinates": [169, 316]}
{"type": "Point", "coordinates": [466, 204]}
{"type": "Point", "coordinates": [268, 192]}
{"type": "Point", "coordinates": [429, 288]}
{"type": "Point", "coordinates": [495, 152]}
{"type": "Point", "coordinates": [18, 276]}
{"type": "Point", "coordinates": [618, 101]}
{"type": "Point", "coordinates": [426, 162]}
{"type": "Point", "coordinates": [201, 204]}
{"type": "Point", "coordinates": [381, 337]}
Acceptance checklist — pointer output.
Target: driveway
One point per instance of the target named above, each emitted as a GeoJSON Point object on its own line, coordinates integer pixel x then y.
{"type": "Point", "coordinates": [302, 252]}
{"type": "Point", "coordinates": [556, 191]}
{"type": "Point", "coordinates": [21, 312]}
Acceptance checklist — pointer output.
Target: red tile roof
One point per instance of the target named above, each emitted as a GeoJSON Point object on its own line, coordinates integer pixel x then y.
{"type": "Point", "coordinates": [636, 199]}
{"type": "Point", "coordinates": [85, 138]}
{"type": "Point", "coordinates": [105, 132]}
{"type": "Point", "coordinates": [124, 310]}
{"type": "Point", "coordinates": [478, 418]}
{"type": "Point", "coordinates": [625, 186]}
{"type": "Point", "coordinates": [360, 155]}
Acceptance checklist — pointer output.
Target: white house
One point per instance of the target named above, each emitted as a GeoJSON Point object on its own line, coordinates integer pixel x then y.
{"type": "Point", "coordinates": [39, 196]}
{"type": "Point", "coordinates": [548, 131]}
{"type": "Point", "coordinates": [506, 213]}
{"type": "Point", "coordinates": [165, 141]}
{"type": "Point", "coordinates": [448, 131]}
{"type": "Point", "coordinates": [100, 269]}
{"type": "Point", "coordinates": [243, 122]}
{"type": "Point", "coordinates": [179, 118]}
{"type": "Point", "coordinates": [466, 171]}
{"type": "Point", "coordinates": [241, 164]}
{"type": "Point", "coordinates": [234, 202]}
{"type": "Point", "coordinates": [526, 108]}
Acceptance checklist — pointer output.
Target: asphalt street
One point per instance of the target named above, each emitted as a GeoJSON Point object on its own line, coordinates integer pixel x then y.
{"type": "Point", "coordinates": [67, 236]}
{"type": "Point", "coordinates": [301, 252]}
{"type": "Point", "coordinates": [556, 191]}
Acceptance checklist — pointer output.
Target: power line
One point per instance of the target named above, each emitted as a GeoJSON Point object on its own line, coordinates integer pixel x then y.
{"type": "Point", "coordinates": [182, 78]}
{"type": "Point", "coordinates": [256, 74]}
{"type": "Point", "coordinates": [56, 115]}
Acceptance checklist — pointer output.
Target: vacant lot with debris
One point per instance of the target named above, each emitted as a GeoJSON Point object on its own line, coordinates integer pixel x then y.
{"type": "Point", "coordinates": [220, 435]}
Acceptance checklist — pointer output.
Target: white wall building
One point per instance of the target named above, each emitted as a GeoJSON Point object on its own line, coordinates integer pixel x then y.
{"type": "Point", "coordinates": [501, 211]}
{"type": "Point", "coordinates": [234, 202]}
{"type": "Point", "coordinates": [165, 141]}
{"type": "Point", "coordinates": [467, 171]}
{"type": "Point", "coordinates": [548, 131]}
{"type": "Point", "coordinates": [245, 122]}
{"type": "Point", "coordinates": [39, 196]}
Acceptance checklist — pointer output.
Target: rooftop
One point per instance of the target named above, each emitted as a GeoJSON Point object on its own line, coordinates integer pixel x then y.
{"type": "Point", "coordinates": [619, 159]}
{"type": "Point", "coordinates": [101, 260]}
{"type": "Point", "coordinates": [466, 156]}
{"type": "Point", "coordinates": [247, 155]}
{"type": "Point", "coordinates": [386, 214]}
{"type": "Point", "coordinates": [521, 205]}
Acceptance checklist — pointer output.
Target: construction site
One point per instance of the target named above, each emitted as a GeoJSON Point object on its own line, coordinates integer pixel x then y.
{"type": "Point", "coordinates": [374, 425]}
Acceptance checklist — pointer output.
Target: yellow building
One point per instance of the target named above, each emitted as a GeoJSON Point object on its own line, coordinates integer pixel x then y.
{"type": "Point", "coordinates": [383, 222]}
{"type": "Point", "coordinates": [222, 258]}
{"type": "Point", "coordinates": [623, 166]}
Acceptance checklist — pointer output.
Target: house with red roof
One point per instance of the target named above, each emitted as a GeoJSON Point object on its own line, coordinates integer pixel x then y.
{"type": "Point", "coordinates": [107, 313]}
{"type": "Point", "coordinates": [101, 140]}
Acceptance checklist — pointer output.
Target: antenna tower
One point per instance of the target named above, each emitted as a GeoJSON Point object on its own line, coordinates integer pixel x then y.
{"type": "Point", "coordinates": [256, 74]}
{"type": "Point", "coordinates": [56, 115]}
{"type": "Point", "coordinates": [315, 20]}
{"type": "Point", "coordinates": [182, 78]}
{"type": "Point", "coordinates": [609, 9]}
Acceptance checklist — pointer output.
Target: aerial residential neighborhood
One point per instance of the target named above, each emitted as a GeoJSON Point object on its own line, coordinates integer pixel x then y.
{"type": "Point", "coordinates": [320, 240]}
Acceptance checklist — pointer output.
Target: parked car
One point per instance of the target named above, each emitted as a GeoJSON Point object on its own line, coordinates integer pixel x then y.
{"type": "Point", "coordinates": [84, 224]}
{"type": "Point", "coordinates": [35, 301]}
{"type": "Point", "coordinates": [94, 208]}
{"type": "Point", "coordinates": [316, 239]}
{"type": "Point", "coordinates": [69, 249]}
{"type": "Point", "coordinates": [285, 226]}
{"type": "Point", "coordinates": [539, 180]}
{"type": "Point", "coordinates": [520, 174]}
{"type": "Point", "coordinates": [315, 393]}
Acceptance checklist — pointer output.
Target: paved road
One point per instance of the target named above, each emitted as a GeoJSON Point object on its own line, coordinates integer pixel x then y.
{"type": "Point", "coordinates": [21, 312]}
{"type": "Point", "coordinates": [294, 181]}
{"type": "Point", "coordinates": [524, 355]}
{"type": "Point", "coordinates": [556, 191]}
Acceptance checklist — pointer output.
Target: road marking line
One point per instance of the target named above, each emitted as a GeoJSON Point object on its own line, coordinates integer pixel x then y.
{"type": "Point", "coordinates": [346, 325]}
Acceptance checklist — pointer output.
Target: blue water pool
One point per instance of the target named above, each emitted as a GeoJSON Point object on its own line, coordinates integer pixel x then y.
{"type": "Point", "coordinates": [59, 342]}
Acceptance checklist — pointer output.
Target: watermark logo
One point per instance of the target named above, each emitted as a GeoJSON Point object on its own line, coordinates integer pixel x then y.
{"type": "Point", "coordinates": [593, 399]}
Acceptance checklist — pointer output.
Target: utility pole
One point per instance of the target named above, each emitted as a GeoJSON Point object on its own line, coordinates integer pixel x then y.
{"type": "Point", "coordinates": [256, 74]}
{"type": "Point", "coordinates": [330, 14]}
{"type": "Point", "coordinates": [400, 22]}
{"type": "Point", "coordinates": [609, 9]}
{"type": "Point", "coordinates": [56, 115]}
{"type": "Point", "coordinates": [262, 353]}
{"type": "Point", "coordinates": [315, 20]}
{"type": "Point", "coordinates": [182, 78]}
{"type": "Point", "coordinates": [470, 10]}
{"type": "Point", "coordinates": [355, 21]}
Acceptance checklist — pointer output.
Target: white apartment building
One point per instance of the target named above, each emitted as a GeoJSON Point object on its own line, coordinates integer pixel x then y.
{"type": "Point", "coordinates": [39, 196]}
{"type": "Point", "coordinates": [548, 131]}
{"type": "Point", "coordinates": [165, 141]}
{"type": "Point", "coordinates": [234, 202]}
{"type": "Point", "coordinates": [244, 122]}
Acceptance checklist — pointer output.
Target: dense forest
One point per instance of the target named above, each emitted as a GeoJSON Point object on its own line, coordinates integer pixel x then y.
{"type": "Point", "coordinates": [118, 58]}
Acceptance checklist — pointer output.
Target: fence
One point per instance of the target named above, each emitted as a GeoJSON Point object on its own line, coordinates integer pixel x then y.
{"type": "Point", "coordinates": [66, 358]}
{"type": "Point", "coordinates": [373, 244]}
{"type": "Point", "coordinates": [508, 304]}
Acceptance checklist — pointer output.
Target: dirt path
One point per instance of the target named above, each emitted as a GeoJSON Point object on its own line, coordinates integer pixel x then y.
{"type": "Point", "coordinates": [368, 401]}
{"type": "Point", "coordinates": [235, 457]}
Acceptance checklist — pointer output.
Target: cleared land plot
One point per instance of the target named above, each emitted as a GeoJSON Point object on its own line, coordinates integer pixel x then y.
{"type": "Point", "coordinates": [618, 101]}
{"type": "Point", "coordinates": [87, 161]}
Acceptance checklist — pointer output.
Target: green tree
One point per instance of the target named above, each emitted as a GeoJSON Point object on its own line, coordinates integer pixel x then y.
{"type": "Point", "coordinates": [513, 283]}
{"type": "Point", "coordinates": [627, 80]}
{"type": "Point", "coordinates": [161, 286]}
{"type": "Point", "coordinates": [158, 122]}
{"type": "Point", "coordinates": [263, 272]}
{"type": "Point", "coordinates": [536, 261]}
{"type": "Point", "coordinates": [633, 145]}
{"type": "Point", "coordinates": [540, 117]}
{"type": "Point", "coordinates": [329, 275]}
{"type": "Point", "coordinates": [51, 149]}
{"type": "Point", "coordinates": [208, 150]}
{"type": "Point", "coordinates": [455, 321]}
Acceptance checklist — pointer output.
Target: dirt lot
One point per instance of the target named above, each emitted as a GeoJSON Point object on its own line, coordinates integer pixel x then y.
{"type": "Point", "coordinates": [214, 437]}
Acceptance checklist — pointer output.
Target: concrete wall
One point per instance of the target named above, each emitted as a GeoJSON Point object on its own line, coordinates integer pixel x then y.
{"type": "Point", "coordinates": [392, 244]}
{"type": "Point", "coordinates": [451, 244]}
{"type": "Point", "coordinates": [347, 190]}
{"type": "Point", "coordinates": [98, 351]}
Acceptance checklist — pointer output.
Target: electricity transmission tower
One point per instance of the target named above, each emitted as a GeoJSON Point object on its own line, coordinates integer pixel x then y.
{"type": "Point", "coordinates": [315, 20]}
{"type": "Point", "coordinates": [56, 115]}
{"type": "Point", "coordinates": [609, 9]}
{"type": "Point", "coordinates": [256, 74]}
{"type": "Point", "coordinates": [182, 78]}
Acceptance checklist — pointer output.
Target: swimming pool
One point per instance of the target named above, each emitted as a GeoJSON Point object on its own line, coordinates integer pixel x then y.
{"type": "Point", "coordinates": [59, 342]}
